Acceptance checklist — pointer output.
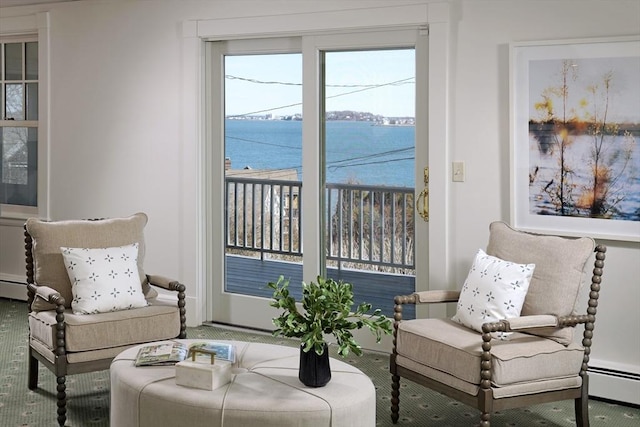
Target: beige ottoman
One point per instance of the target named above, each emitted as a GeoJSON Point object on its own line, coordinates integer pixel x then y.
{"type": "Point", "coordinates": [264, 391]}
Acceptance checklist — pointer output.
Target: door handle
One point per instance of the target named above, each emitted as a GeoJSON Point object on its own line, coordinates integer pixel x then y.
{"type": "Point", "coordinates": [422, 204]}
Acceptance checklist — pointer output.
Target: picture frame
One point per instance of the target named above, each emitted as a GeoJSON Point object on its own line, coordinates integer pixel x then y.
{"type": "Point", "coordinates": [575, 137]}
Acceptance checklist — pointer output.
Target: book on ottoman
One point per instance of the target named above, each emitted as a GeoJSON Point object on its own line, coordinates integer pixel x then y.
{"type": "Point", "coordinates": [170, 353]}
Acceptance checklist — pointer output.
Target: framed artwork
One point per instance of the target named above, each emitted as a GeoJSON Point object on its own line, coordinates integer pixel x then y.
{"type": "Point", "coordinates": [575, 137]}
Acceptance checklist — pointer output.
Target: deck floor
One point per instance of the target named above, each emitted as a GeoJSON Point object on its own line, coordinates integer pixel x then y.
{"type": "Point", "coordinates": [250, 276]}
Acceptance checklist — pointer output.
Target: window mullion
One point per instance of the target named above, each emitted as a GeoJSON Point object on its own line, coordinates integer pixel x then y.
{"type": "Point", "coordinates": [19, 123]}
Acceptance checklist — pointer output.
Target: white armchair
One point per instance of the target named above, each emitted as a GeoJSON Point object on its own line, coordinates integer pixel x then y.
{"type": "Point", "coordinates": [69, 332]}
{"type": "Point", "coordinates": [537, 362]}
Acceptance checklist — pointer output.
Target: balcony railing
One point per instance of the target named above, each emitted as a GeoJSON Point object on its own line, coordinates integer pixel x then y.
{"type": "Point", "coordinates": [370, 225]}
{"type": "Point", "coordinates": [263, 215]}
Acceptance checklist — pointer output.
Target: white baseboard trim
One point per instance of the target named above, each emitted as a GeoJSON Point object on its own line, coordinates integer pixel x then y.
{"type": "Point", "coordinates": [13, 287]}
{"type": "Point", "coordinates": [621, 385]}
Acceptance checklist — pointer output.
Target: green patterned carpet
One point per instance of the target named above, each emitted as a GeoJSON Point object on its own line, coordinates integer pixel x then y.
{"type": "Point", "coordinates": [88, 394]}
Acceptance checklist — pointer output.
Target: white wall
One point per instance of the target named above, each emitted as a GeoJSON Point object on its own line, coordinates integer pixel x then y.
{"type": "Point", "coordinates": [116, 127]}
{"type": "Point", "coordinates": [480, 137]}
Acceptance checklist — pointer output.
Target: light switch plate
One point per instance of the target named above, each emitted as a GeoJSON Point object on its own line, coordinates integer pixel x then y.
{"type": "Point", "coordinates": [457, 172]}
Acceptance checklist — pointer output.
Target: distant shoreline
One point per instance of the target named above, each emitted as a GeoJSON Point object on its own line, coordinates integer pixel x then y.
{"type": "Point", "coordinates": [347, 115]}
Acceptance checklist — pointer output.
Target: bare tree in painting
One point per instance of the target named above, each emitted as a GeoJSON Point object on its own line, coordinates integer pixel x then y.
{"type": "Point", "coordinates": [554, 133]}
{"type": "Point", "coordinates": [605, 191]}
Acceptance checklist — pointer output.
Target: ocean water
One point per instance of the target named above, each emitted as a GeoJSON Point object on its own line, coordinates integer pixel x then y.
{"type": "Point", "coordinates": [356, 152]}
{"type": "Point", "coordinates": [622, 183]}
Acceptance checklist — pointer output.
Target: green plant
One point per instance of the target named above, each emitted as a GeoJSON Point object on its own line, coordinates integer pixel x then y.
{"type": "Point", "coordinates": [327, 309]}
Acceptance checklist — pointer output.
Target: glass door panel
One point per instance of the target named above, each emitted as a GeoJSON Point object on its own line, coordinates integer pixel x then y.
{"type": "Point", "coordinates": [369, 128]}
{"type": "Point", "coordinates": [262, 171]}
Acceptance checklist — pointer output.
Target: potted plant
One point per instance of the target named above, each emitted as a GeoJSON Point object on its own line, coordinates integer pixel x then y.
{"type": "Point", "coordinates": [327, 310]}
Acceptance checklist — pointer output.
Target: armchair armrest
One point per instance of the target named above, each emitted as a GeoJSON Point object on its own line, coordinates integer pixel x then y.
{"type": "Point", "coordinates": [523, 323]}
{"type": "Point", "coordinates": [44, 298]}
{"type": "Point", "coordinates": [576, 320]}
{"type": "Point", "coordinates": [424, 297]}
{"type": "Point", "coordinates": [428, 297]}
{"type": "Point", "coordinates": [527, 322]}
{"type": "Point", "coordinates": [165, 283]}
{"type": "Point", "coordinates": [52, 300]}
{"type": "Point", "coordinates": [173, 285]}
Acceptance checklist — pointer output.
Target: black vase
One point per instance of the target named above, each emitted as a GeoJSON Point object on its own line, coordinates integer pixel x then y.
{"type": "Point", "coordinates": [314, 370]}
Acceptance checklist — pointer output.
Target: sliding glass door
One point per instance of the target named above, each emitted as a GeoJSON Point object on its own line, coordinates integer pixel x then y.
{"type": "Point", "coordinates": [312, 162]}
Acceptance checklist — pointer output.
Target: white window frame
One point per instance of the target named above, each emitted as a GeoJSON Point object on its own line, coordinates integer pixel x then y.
{"type": "Point", "coordinates": [19, 28]}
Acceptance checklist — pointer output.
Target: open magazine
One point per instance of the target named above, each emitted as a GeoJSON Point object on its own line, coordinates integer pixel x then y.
{"type": "Point", "coordinates": [170, 353]}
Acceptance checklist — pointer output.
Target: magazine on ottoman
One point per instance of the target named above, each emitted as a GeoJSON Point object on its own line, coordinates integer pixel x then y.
{"type": "Point", "coordinates": [170, 353]}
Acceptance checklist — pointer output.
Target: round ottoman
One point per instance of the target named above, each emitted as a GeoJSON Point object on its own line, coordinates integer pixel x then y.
{"type": "Point", "coordinates": [264, 391]}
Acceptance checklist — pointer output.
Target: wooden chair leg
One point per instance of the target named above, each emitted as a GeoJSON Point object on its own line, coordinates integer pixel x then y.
{"type": "Point", "coordinates": [395, 398]}
{"type": "Point", "coordinates": [485, 419]}
{"type": "Point", "coordinates": [485, 405]}
{"type": "Point", "coordinates": [32, 371]}
{"type": "Point", "coordinates": [62, 401]}
{"type": "Point", "coordinates": [581, 404]}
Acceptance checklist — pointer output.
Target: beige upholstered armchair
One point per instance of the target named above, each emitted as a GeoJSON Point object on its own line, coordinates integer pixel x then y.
{"type": "Point", "coordinates": [495, 360]}
{"type": "Point", "coordinates": [89, 298]}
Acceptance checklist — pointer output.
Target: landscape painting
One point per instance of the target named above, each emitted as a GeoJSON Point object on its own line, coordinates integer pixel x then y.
{"type": "Point", "coordinates": [577, 140]}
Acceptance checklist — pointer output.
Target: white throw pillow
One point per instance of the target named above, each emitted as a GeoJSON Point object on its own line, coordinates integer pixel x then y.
{"type": "Point", "coordinates": [104, 280]}
{"type": "Point", "coordinates": [494, 290]}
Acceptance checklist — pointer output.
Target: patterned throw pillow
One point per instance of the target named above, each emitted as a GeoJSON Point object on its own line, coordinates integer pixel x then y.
{"type": "Point", "coordinates": [103, 280]}
{"type": "Point", "coordinates": [494, 290]}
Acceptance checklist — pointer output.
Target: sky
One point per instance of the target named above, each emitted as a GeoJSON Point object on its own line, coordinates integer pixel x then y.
{"type": "Point", "coordinates": [624, 100]}
{"type": "Point", "coordinates": [380, 82]}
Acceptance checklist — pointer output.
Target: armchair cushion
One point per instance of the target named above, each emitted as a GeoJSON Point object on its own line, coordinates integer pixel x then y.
{"type": "Point", "coordinates": [49, 237]}
{"type": "Point", "coordinates": [494, 290]}
{"type": "Point", "coordinates": [104, 279]}
{"type": "Point", "coordinates": [444, 346]}
{"type": "Point", "coordinates": [558, 275]}
{"type": "Point", "coordinates": [87, 332]}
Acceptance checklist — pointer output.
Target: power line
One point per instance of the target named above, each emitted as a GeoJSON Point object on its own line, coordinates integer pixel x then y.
{"type": "Point", "coordinates": [396, 83]}
{"type": "Point", "coordinates": [365, 88]}
{"type": "Point", "coordinates": [331, 167]}
{"type": "Point", "coordinates": [356, 161]}
{"type": "Point", "coordinates": [402, 159]}
{"type": "Point", "coordinates": [263, 143]}
{"type": "Point", "coordinates": [268, 82]}
{"type": "Point", "coordinates": [384, 153]}
{"type": "Point", "coordinates": [245, 79]}
{"type": "Point", "coordinates": [268, 109]}
{"type": "Point", "coordinates": [368, 156]}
